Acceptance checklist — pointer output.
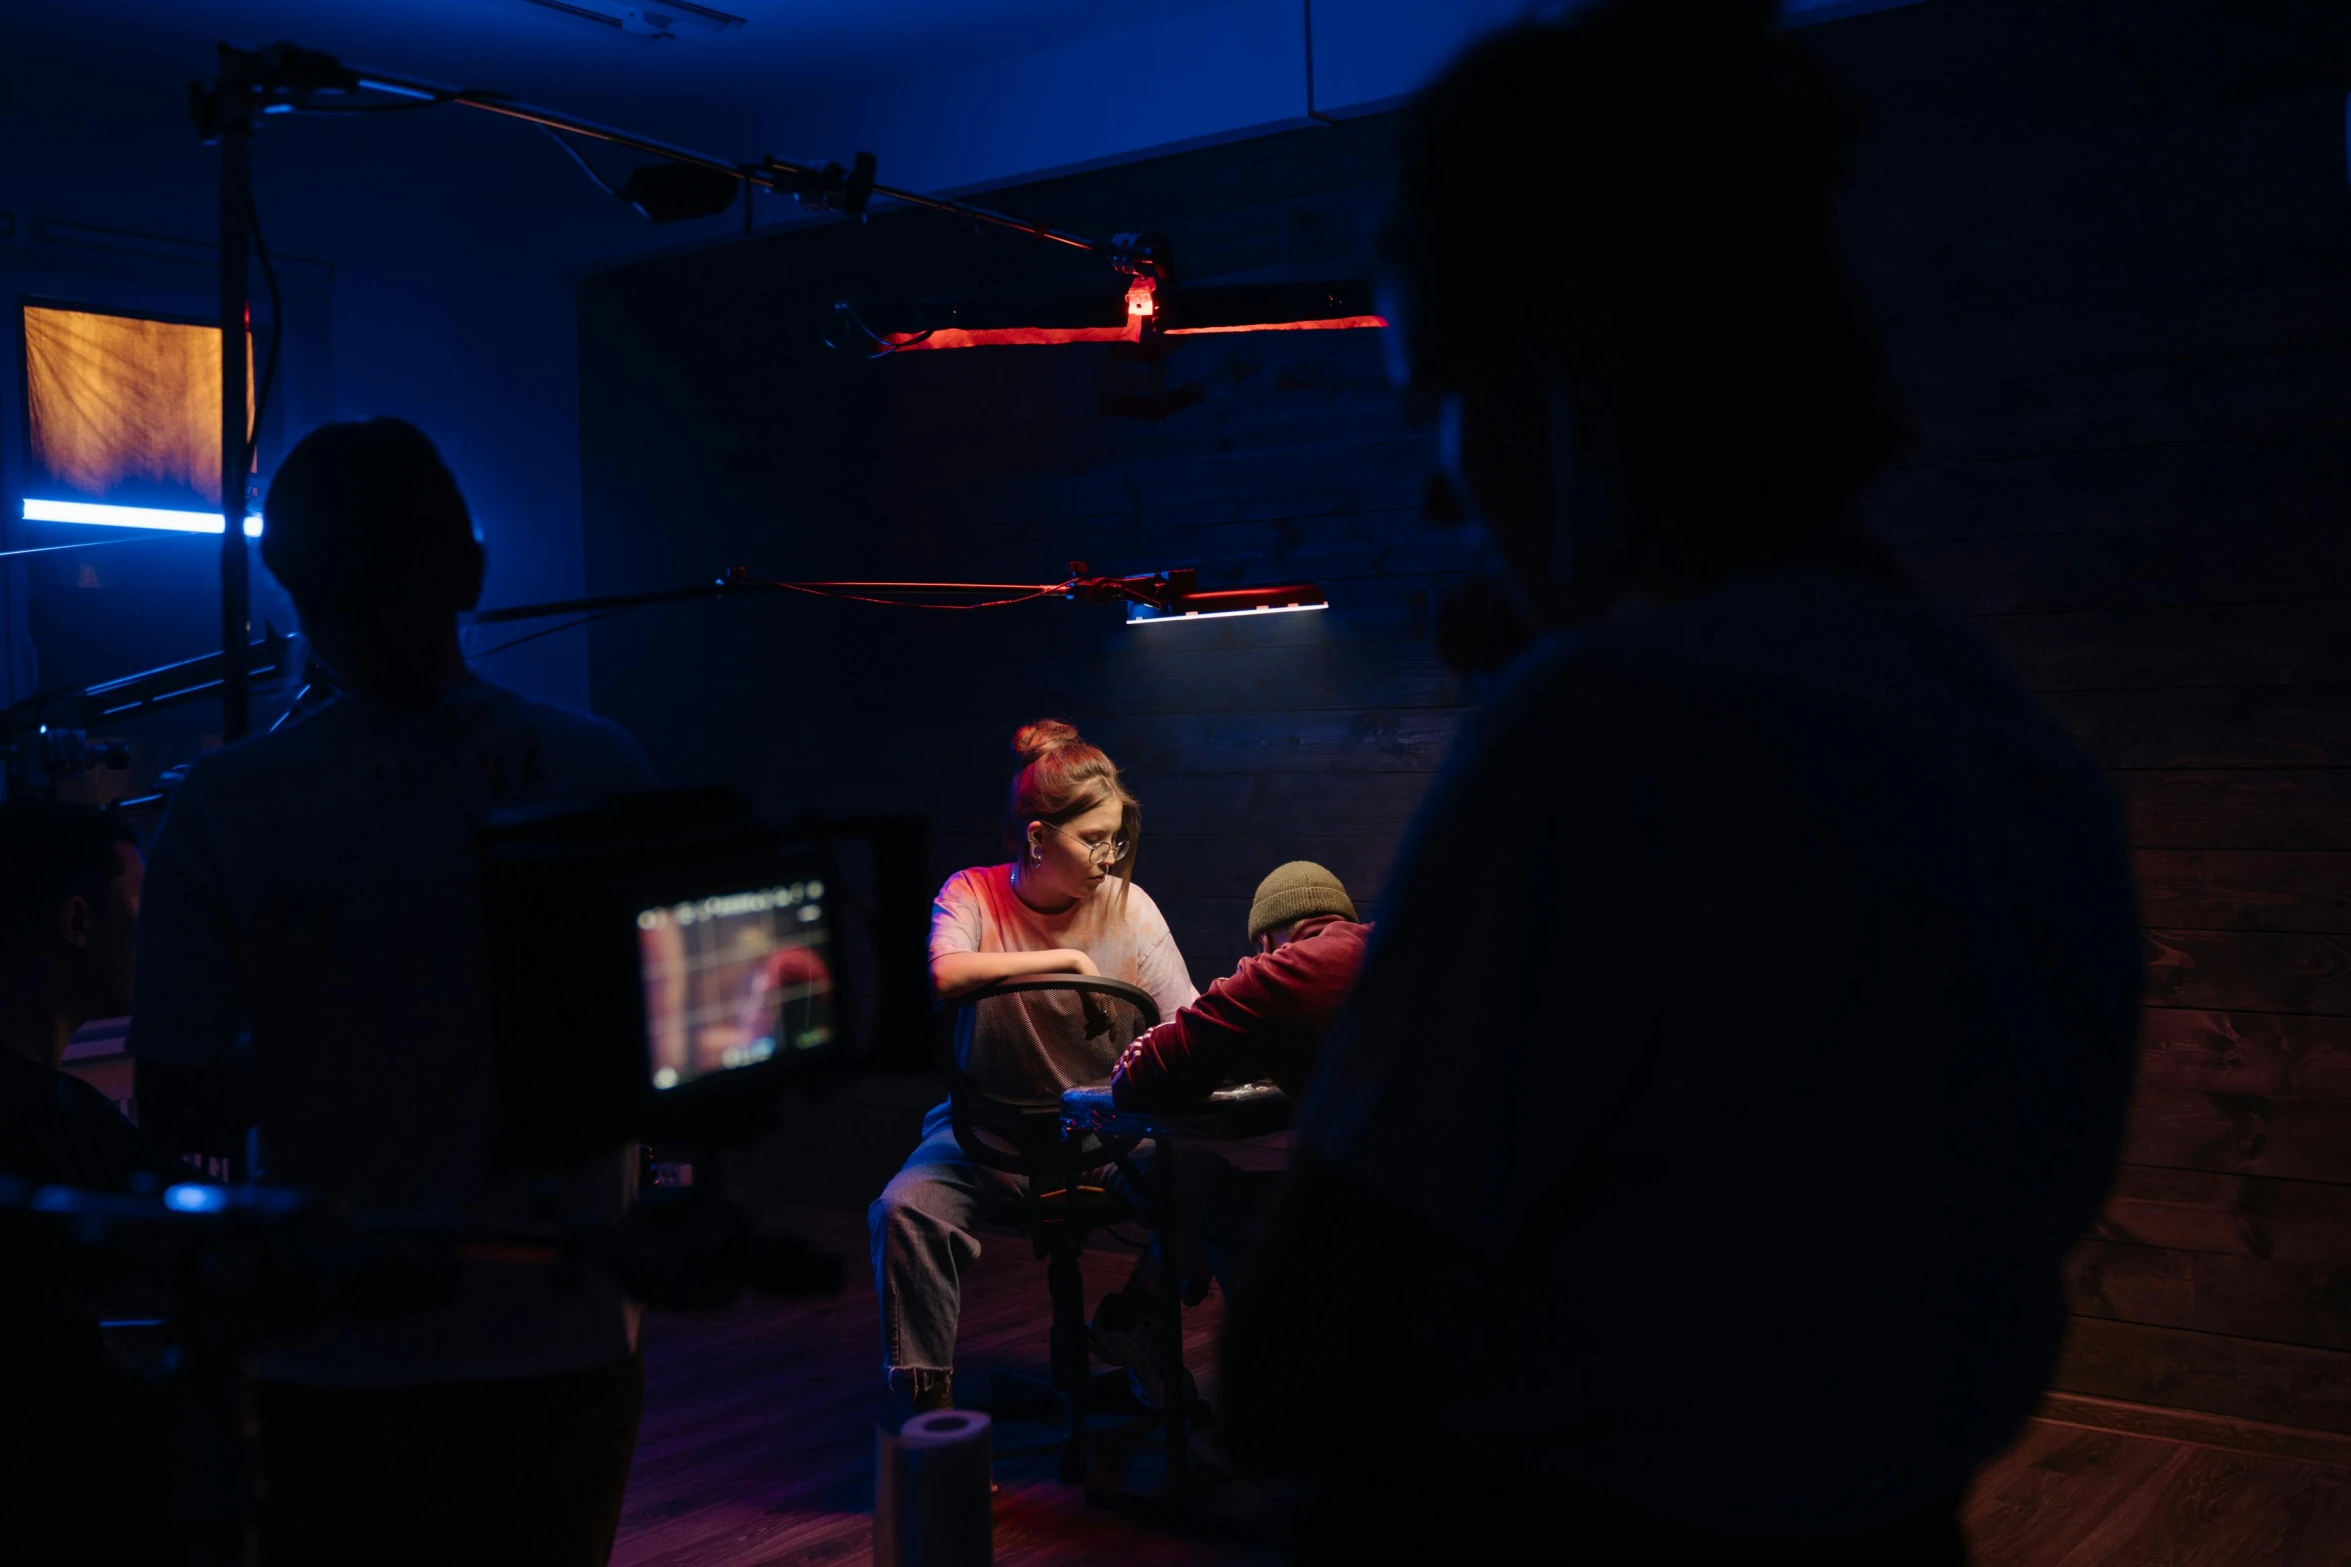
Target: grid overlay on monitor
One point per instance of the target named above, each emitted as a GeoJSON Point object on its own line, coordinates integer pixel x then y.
{"type": "Point", "coordinates": [734, 979]}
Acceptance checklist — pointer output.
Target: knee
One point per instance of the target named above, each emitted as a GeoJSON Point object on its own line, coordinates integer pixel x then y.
{"type": "Point", "coordinates": [884, 1216]}
{"type": "Point", "coordinates": [917, 1218]}
{"type": "Point", "coordinates": [896, 1213]}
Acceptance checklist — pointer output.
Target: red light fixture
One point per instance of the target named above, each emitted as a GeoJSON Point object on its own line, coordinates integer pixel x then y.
{"type": "Point", "coordinates": [1217, 603]}
{"type": "Point", "coordinates": [1194, 312]}
{"type": "Point", "coordinates": [1177, 595]}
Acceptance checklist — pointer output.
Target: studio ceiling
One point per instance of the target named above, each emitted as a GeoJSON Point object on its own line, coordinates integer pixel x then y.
{"type": "Point", "coordinates": [949, 94]}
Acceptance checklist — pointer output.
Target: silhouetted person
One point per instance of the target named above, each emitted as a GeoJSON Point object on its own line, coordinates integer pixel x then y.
{"type": "Point", "coordinates": [315, 888]}
{"type": "Point", "coordinates": [70, 879]}
{"type": "Point", "coordinates": [1749, 1023]}
{"type": "Point", "coordinates": [81, 1446]}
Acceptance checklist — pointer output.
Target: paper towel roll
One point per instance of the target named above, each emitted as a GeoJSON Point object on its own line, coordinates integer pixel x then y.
{"type": "Point", "coordinates": [931, 1501]}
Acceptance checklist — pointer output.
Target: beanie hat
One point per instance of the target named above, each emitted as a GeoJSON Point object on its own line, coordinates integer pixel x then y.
{"type": "Point", "coordinates": [1296, 891]}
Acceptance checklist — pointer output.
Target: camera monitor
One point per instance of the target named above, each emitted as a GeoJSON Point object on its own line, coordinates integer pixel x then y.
{"type": "Point", "coordinates": [658, 964]}
{"type": "Point", "coordinates": [735, 978]}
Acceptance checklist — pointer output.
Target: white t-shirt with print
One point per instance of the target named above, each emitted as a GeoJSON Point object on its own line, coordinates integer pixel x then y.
{"type": "Point", "coordinates": [1039, 1048]}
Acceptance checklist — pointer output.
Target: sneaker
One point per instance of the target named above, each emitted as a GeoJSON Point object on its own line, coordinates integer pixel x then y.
{"type": "Point", "coordinates": [1126, 1333]}
{"type": "Point", "coordinates": [935, 1392]}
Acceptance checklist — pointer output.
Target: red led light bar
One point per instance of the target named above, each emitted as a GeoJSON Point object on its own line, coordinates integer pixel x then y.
{"type": "Point", "coordinates": [1132, 332]}
{"type": "Point", "coordinates": [1011, 337]}
{"type": "Point", "coordinates": [1335, 324]}
{"type": "Point", "coordinates": [1142, 315]}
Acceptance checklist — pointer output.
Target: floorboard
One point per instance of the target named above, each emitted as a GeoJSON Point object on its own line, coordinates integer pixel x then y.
{"type": "Point", "coordinates": [2067, 1496]}
{"type": "Point", "coordinates": [758, 1441]}
{"type": "Point", "coordinates": [757, 1449]}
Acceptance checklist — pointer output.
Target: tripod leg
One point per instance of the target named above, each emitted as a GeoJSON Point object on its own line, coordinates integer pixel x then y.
{"type": "Point", "coordinates": [1072, 1371]}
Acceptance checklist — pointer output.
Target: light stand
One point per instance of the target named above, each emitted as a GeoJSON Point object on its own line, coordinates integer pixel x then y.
{"type": "Point", "coordinates": [283, 78]}
{"type": "Point", "coordinates": [47, 736]}
{"type": "Point", "coordinates": [232, 125]}
{"type": "Point", "coordinates": [1163, 594]}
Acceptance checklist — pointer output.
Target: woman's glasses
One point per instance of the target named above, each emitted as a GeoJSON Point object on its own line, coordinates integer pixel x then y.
{"type": "Point", "coordinates": [1106, 853]}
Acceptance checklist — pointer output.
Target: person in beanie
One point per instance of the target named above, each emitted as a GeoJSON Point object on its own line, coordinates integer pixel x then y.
{"type": "Point", "coordinates": [1266, 1018]}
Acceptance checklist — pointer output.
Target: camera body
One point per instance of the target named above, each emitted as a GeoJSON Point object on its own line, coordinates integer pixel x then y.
{"type": "Point", "coordinates": [660, 964]}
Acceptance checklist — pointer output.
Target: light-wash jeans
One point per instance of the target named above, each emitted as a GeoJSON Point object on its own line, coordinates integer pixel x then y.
{"type": "Point", "coordinates": [922, 1233]}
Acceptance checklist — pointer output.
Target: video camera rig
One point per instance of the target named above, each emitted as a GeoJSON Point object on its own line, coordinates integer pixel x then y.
{"type": "Point", "coordinates": [662, 965]}
{"type": "Point", "coordinates": [54, 735]}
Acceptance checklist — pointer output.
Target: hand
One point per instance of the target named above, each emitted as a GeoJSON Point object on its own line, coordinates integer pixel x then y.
{"type": "Point", "coordinates": [1078, 963]}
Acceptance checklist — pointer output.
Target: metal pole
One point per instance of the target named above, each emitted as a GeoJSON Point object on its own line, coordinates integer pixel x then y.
{"type": "Point", "coordinates": [236, 436]}
{"type": "Point", "coordinates": [745, 589]}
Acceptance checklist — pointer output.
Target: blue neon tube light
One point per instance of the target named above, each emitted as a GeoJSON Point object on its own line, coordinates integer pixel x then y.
{"type": "Point", "coordinates": [98, 515]}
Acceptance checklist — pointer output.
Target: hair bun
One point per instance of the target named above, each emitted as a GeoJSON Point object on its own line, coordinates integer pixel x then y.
{"type": "Point", "coordinates": [1041, 739]}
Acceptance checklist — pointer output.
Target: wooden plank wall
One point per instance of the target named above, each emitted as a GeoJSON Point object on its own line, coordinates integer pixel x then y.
{"type": "Point", "coordinates": [2111, 248]}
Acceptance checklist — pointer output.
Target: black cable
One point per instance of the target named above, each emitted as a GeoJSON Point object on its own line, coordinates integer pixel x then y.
{"type": "Point", "coordinates": [277, 338]}
{"type": "Point", "coordinates": [586, 167]}
{"type": "Point", "coordinates": [883, 347]}
{"type": "Point", "coordinates": [1055, 591]}
{"type": "Point", "coordinates": [865, 598]}
{"type": "Point", "coordinates": [402, 106]}
{"type": "Point", "coordinates": [293, 708]}
{"type": "Point", "coordinates": [548, 631]}
{"type": "Point", "coordinates": [101, 544]}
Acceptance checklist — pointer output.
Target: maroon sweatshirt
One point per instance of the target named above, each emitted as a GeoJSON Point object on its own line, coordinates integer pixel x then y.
{"type": "Point", "coordinates": [1264, 1019]}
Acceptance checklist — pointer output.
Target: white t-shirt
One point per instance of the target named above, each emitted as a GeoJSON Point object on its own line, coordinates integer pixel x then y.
{"type": "Point", "coordinates": [1039, 1049]}
{"type": "Point", "coordinates": [316, 887]}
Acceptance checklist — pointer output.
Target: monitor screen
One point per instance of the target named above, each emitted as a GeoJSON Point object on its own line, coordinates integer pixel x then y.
{"type": "Point", "coordinates": [735, 979]}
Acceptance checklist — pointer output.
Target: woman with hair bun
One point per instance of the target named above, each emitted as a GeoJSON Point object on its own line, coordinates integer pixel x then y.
{"type": "Point", "coordinates": [1064, 903]}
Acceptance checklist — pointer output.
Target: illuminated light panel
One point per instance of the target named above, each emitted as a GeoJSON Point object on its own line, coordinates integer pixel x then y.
{"type": "Point", "coordinates": [99, 515]}
{"type": "Point", "coordinates": [111, 398]}
{"type": "Point", "coordinates": [1144, 614]}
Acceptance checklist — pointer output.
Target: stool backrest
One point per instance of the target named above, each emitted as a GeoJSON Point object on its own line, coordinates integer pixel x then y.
{"type": "Point", "coordinates": [1029, 1038]}
{"type": "Point", "coordinates": [1017, 1044]}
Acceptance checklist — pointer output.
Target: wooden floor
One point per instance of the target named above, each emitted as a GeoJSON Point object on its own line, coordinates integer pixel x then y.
{"type": "Point", "coordinates": [759, 1432]}
{"type": "Point", "coordinates": [758, 1439]}
{"type": "Point", "coordinates": [2069, 1496]}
